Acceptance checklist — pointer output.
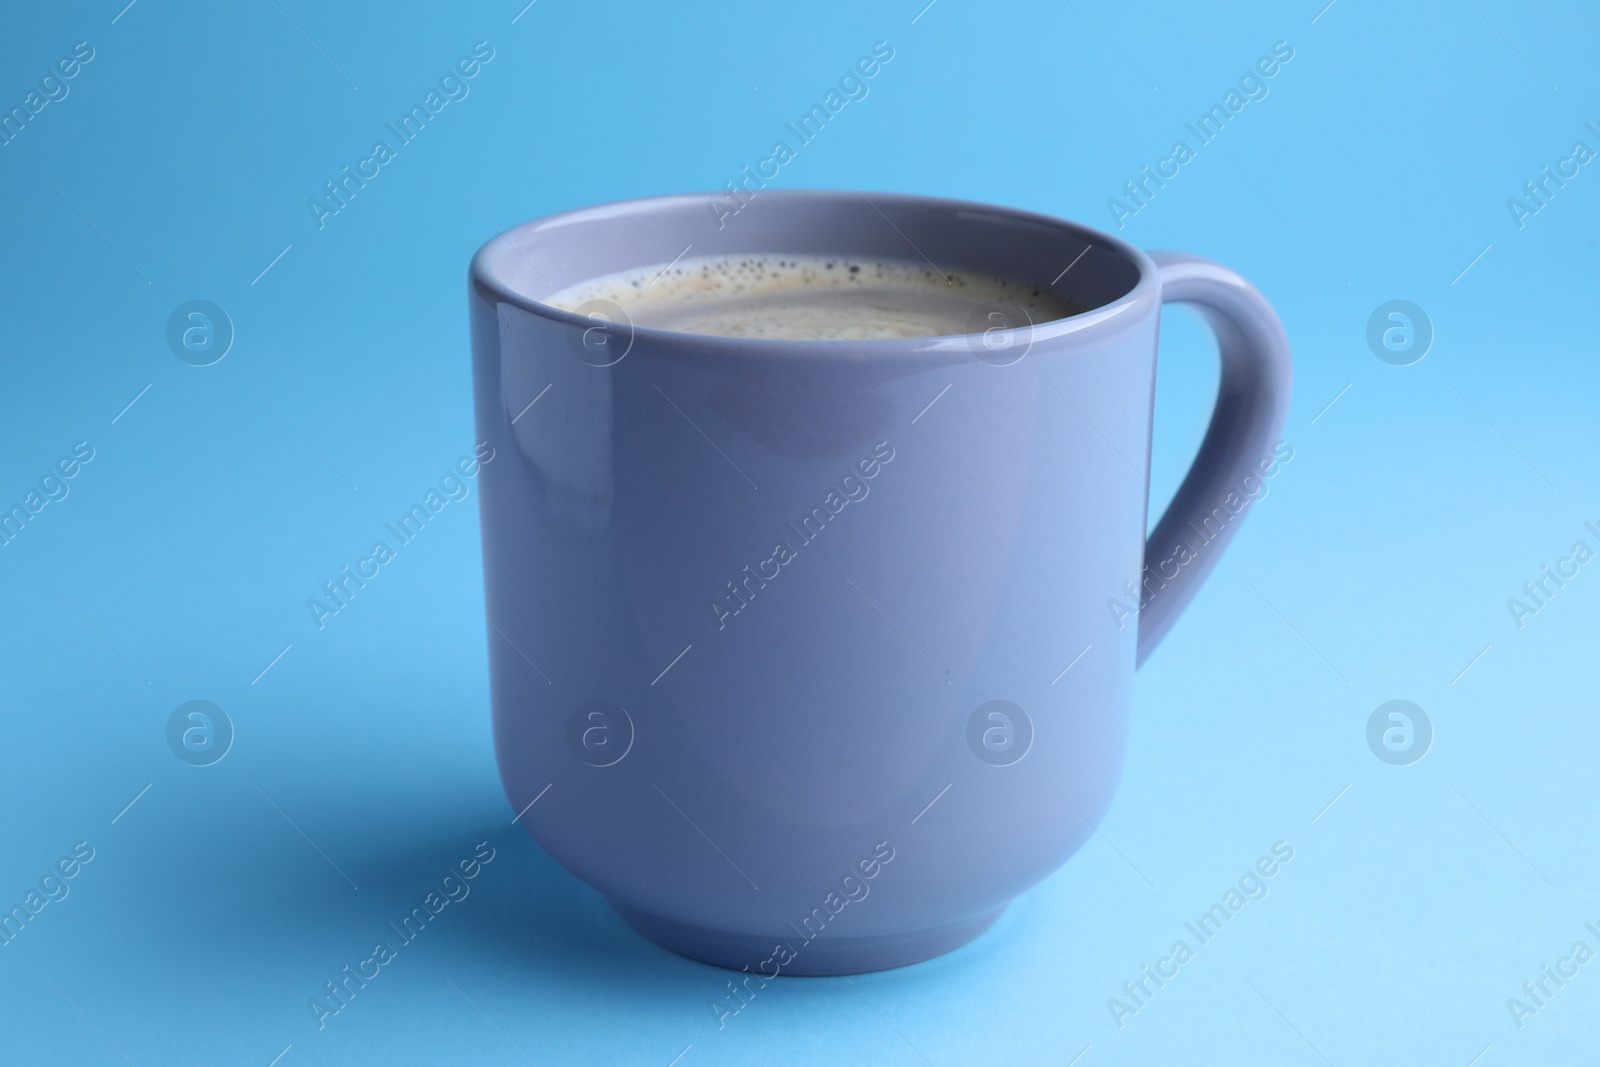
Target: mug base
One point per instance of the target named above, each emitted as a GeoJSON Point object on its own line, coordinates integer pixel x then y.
{"type": "Point", "coordinates": [820, 956]}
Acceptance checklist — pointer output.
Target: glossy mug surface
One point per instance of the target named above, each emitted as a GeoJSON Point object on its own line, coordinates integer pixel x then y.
{"type": "Point", "coordinates": [780, 630]}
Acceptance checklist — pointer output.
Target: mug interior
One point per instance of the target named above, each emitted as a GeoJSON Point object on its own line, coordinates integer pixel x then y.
{"type": "Point", "coordinates": [532, 262]}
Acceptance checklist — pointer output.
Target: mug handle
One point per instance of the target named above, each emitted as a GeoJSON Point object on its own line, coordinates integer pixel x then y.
{"type": "Point", "coordinates": [1252, 402]}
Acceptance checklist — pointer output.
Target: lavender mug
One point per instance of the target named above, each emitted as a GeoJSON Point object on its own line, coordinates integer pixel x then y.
{"type": "Point", "coordinates": [777, 628]}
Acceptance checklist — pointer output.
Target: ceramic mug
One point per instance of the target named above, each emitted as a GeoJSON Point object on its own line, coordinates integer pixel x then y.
{"type": "Point", "coordinates": [784, 634]}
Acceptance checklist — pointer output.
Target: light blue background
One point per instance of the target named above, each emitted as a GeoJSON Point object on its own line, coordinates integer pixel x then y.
{"type": "Point", "coordinates": [1378, 567]}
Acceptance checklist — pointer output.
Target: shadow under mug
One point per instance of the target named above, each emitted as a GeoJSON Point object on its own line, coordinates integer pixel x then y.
{"type": "Point", "coordinates": [811, 655]}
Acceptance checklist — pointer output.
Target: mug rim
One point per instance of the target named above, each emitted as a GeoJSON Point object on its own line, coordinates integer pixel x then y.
{"type": "Point", "coordinates": [1111, 317]}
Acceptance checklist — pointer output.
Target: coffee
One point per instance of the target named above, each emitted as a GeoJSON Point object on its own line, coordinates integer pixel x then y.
{"type": "Point", "coordinates": [818, 298]}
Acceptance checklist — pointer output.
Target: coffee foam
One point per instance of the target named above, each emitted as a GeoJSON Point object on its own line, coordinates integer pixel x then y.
{"type": "Point", "coordinates": [818, 298]}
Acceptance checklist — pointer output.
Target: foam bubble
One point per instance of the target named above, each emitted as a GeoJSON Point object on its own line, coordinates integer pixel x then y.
{"type": "Point", "coordinates": [815, 298]}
